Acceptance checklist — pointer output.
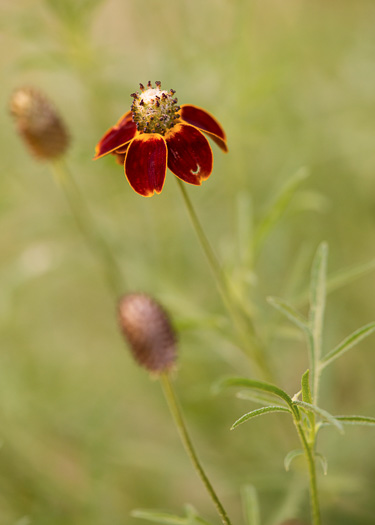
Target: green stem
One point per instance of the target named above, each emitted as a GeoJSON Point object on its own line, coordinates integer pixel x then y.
{"type": "Point", "coordinates": [309, 453]}
{"type": "Point", "coordinates": [249, 340]}
{"type": "Point", "coordinates": [181, 427]}
{"type": "Point", "coordinates": [83, 219]}
{"type": "Point", "coordinates": [317, 373]}
{"type": "Point", "coordinates": [211, 257]}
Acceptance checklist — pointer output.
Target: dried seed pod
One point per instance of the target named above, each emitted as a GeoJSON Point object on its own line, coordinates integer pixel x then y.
{"type": "Point", "coordinates": [39, 124]}
{"type": "Point", "coordinates": [149, 332]}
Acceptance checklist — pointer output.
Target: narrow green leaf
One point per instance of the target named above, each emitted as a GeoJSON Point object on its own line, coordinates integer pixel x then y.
{"type": "Point", "coordinates": [197, 520]}
{"type": "Point", "coordinates": [277, 209]}
{"type": "Point", "coordinates": [158, 517]}
{"type": "Point", "coordinates": [258, 412]}
{"type": "Point", "coordinates": [348, 343]}
{"type": "Point", "coordinates": [286, 309]}
{"type": "Point", "coordinates": [305, 383]}
{"type": "Point", "coordinates": [348, 275]}
{"type": "Point", "coordinates": [326, 416]}
{"type": "Point", "coordinates": [256, 385]}
{"type": "Point", "coordinates": [192, 517]}
{"type": "Point", "coordinates": [290, 457]}
{"type": "Point", "coordinates": [323, 461]}
{"type": "Point", "coordinates": [317, 299]}
{"type": "Point", "coordinates": [356, 420]}
{"type": "Point", "coordinates": [306, 396]}
{"type": "Point", "coordinates": [261, 399]}
{"type": "Point", "coordinates": [250, 504]}
{"type": "Point", "coordinates": [341, 278]}
{"type": "Point", "coordinates": [190, 511]}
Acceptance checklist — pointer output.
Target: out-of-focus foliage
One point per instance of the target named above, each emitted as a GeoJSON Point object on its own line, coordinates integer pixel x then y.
{"type": "Point", "coordinates": [86, 437]}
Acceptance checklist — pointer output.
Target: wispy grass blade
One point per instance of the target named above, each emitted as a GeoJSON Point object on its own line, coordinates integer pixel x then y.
{"type": "Point", "coordinates": [250, 503]}
{"type": "Point", "coordinates": [348, 343]}
{"type": "Point", "coordinates": [326, 416]}
{"type": "Point", "coordinates": [259, 412]}
{"type": "Point", "coordinates": [244, 229]}
{"type": "Point", "coordinates": [277, 209]}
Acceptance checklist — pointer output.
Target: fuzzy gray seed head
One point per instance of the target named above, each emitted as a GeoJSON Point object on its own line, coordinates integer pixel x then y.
{"type": "Point", "coordinates": [148, 330]}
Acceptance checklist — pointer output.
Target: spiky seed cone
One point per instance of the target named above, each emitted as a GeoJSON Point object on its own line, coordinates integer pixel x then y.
{"type": "Point", "coordinates": [149, 332]}
{"type": "Point", "coordinates": [39, 124]}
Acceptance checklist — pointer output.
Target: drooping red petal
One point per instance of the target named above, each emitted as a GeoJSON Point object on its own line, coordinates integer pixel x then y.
{"type": "Point", "coordinates": [120, 154]}
{"type": "Point", "coordinates": [203, 120]}
{"type": "Point", "coordinates": [120, 158]}
{"type": "Point", "coordinates": [122, 149]}
{"type": "Point", "coordinates": [189, 154]}
{"type": "Point", "coordinates": [146, 163]}
{"type": "Point", "coordinates": [123, 131]}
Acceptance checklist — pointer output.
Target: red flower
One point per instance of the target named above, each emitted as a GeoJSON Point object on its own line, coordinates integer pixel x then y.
{"type": "Point", "coordinates": [157, 133]}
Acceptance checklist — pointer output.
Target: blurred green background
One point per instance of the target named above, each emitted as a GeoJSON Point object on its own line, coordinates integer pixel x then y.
{"type": "Point", "coordinates": [85, 435]}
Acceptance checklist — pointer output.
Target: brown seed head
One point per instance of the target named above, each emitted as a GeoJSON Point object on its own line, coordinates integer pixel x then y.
{"type": "Point", "coordinates": [39, 124]}
{"type": "Point", "coordinates": [149, 332]}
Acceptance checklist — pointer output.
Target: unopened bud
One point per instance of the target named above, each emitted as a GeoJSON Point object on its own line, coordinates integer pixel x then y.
{"type": "Point", "coordinates": [39, 124]}
{"type": "Point", "coordinates": [149, 332]}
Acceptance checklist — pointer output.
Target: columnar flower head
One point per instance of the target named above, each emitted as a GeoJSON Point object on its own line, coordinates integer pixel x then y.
{"type": "Point", "coordinates": [148, 330]}
{"type": "Point", "coordinates": [157, 133]}
{"type": "Point", "coordinates": [39, 124]}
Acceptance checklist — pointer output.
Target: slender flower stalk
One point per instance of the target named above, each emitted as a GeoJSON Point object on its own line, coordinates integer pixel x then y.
{"type": "Point", "coordinates": [156, 134]}
{"type": "Point", "coordinates": [248, 337]}
{"type": "Point", "coordinates": [66, 183]}
{"type": "Point", "coordinates": [46, 137]}
{"type": "Point", "coordinates": [185, 438]}
{"type": "Point", "coordinates": [152, 342]}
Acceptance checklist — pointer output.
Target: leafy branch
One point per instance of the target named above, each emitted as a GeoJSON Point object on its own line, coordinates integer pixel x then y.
{"type": "Point", "coordinates": [307, 415]}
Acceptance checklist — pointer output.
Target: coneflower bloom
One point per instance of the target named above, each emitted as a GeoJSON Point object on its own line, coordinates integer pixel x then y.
{"type": "Point", "coordinates": [157, 133]}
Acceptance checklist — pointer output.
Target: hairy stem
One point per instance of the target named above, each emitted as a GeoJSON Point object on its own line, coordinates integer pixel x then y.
{"type": "Point", "coordinates": [84, 221]}
{"type": "Point", "coordinates": [309, 454]}
{"type": "Point", "coordinates": [249, 340]}
{"type": "Point", "coordinates": [181, 427]}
